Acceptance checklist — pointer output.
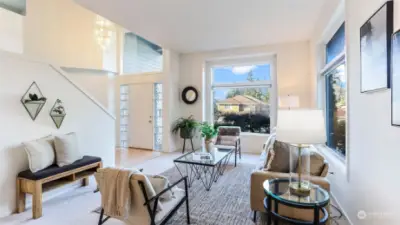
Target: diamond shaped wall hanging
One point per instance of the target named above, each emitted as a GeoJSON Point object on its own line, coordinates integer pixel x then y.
{"type": "Point", "coordinates": [33, 100]}
{"type": "Point", "coordinates": [57, 113]}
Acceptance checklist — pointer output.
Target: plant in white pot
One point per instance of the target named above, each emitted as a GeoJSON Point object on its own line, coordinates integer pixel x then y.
{"type": "Point", "coordinates": [208, 132]}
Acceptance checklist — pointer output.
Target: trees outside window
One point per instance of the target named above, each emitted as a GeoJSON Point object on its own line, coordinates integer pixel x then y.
{"type": "Point", "coordinates": [242, 99]}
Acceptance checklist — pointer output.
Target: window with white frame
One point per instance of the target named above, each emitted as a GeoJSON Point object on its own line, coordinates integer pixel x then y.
{"type": "Point", "coordinates": [335, 83]}
{"type": "Point", "coordinates": [241, 97]}
{"type": "Point", "coordinates": [140, 55]}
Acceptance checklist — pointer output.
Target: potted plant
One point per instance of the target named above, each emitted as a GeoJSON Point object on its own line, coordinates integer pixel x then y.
{"type": "Point", "coordinates": [185, 126]}
{"type": "Point", "coordinates": [208, 132]}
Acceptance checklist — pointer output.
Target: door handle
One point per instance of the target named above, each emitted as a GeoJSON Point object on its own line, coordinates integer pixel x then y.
{"type": "Point", "coordinates": [150, 121]}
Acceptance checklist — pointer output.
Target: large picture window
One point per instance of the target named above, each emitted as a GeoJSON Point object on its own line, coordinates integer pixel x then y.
{"type": "Point", "coordinates": [334, 75]}
{"type": "Point", "coordinates": [241, 97]}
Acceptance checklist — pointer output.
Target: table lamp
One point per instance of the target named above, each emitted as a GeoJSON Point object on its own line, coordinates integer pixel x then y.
{"type": "Point", "coordinates": [300, 128]}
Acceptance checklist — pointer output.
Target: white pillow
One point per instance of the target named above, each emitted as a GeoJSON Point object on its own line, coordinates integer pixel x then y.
{"type": "Point", "coordinates": [67, 151]}
{"type": "Point", "coordinates": [40, 153]}
{"type": "Point", "coordinates": [160, 183]}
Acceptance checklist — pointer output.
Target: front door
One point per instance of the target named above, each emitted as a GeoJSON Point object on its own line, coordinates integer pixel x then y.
{"type": "Point", "coordinates": [141, 116]}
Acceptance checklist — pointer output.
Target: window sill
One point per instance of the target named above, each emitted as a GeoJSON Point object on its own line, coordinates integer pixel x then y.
{"type": "Point", "coordinates": [253, 134]}
{"type": "Point", "coordinates": [333, 157]}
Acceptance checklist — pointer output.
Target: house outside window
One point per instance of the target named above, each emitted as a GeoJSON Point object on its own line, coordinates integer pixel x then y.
{"type": "Point", "coordinates": [335, 82]}
{"type": "Point", "coordinates": [241, 97]}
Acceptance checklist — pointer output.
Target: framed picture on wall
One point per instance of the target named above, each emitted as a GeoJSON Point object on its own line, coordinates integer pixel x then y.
{"type": "Point", "coordinates": [395, 81]}
{"type": "Point", "coordinates": [375, 49]}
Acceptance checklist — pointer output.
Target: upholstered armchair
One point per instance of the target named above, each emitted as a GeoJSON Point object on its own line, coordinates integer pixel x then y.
{"type": "Point", "coordinates": [230, 136]}
{"type": "Point", "coordinates": [263, 172]}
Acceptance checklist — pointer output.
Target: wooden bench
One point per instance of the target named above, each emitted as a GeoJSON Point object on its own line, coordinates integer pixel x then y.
{"type": "Point", "coordinates": [50, 178]}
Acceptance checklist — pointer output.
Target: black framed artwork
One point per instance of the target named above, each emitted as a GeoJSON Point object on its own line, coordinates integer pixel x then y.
{"type": "Point", "coordinates": [395, 81]}
{"type": "Point", "coordinates": [375, 49]}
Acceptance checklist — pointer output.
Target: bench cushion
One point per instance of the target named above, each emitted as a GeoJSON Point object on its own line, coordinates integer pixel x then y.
{"type": "Point", "coordinates": [54, 169]}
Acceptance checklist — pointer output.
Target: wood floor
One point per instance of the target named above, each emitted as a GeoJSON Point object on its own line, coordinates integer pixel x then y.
{"type": "Point", "coordinates": [131, 157]}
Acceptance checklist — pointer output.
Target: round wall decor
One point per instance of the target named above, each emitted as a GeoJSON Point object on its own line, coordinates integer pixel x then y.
{"type": "Point", "coordinates": [190, 95]}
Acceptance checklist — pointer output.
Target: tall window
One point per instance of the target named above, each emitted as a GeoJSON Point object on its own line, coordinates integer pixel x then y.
{"type": "Point", "coordinates": [140, 55]}
{"type": "Point", "coordinates": [335, 92]}
{"type": "Point", "coordinates": [158, 109]}
{"type": "Point", "coordinates": [241, 97]}
{"type": "Point", "coordinates": [124, 110]}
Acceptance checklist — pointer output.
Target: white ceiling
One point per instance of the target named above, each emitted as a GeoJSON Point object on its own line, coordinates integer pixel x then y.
{"type": "Point", "coordinates": [203, 25]}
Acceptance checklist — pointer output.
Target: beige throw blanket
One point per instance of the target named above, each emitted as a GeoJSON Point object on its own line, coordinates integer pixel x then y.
{"type": "Point", "coordinates": [114, 185]}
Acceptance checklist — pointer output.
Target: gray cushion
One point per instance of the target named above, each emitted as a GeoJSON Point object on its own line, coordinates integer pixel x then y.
{"type": "Point", "coordinates": [280, 158]}
{"type": "Point", "coordinates": [317, 162]}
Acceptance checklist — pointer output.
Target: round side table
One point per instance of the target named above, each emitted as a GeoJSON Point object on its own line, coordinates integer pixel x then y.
{"type": "Point", "coordinates": [277, 192]}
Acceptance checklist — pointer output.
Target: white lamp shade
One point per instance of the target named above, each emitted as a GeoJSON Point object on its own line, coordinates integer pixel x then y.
{"type": "Point", "coordinates": [301, 126]}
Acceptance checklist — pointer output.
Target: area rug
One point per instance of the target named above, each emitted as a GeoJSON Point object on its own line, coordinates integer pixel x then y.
{"type": "Point", "coordinates": [228, 201]}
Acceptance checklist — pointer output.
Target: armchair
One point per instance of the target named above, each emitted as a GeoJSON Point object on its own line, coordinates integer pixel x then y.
{"type": "Point", "coordinates": [262, 173]}
{"type": "Point", "coordinates": [230, 136]}
{"type": "Point", "coordinates": [145, 208]}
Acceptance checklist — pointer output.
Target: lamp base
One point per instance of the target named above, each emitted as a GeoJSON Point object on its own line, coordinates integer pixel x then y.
{"type": "Point", "coordinates": [299, 189]}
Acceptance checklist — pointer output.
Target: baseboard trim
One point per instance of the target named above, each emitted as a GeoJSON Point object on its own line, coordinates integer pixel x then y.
{"type": "Point", "coordinates": [341, 208]}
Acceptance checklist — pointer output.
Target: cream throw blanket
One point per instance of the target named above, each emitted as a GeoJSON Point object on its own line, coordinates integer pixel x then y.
{"type": "Point", "coordinates": [114, 185]}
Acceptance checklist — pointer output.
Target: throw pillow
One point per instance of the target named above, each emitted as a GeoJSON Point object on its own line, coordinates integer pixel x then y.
{"type": "Point", "coordinates": [317, 162]}
{"type": "Point", "coordinates": [40, 154]}
{"type": "Point", "coordinates": [67, 150]}
{"type": "Point", "coordinates": [266, 156]}
{"type": "Point", "coordinates": [280, 158]}
{"type": "Point", "coordinates": [227, 140]}
{"type": "Point", "coordinates": [160, 183]}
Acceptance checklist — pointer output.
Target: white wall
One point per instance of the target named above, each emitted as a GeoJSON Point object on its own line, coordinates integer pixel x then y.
{"type": "Point", "coordinates": [367, 181]}
{"type": "Point", "coordinates": [94, 127]}
{"type": "Point", "coordinates": [98, 85]}
{"type": "Point", "coordinates": [293, 77]}
{"type": "Point", "coordinates": [63, 32]}
{"type": "Point", "coordinates": [11, 31]}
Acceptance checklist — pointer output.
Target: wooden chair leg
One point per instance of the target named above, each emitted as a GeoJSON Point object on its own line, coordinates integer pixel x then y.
{"type": "Point", "coordinates": [37, 200]}
{"type": "Point", "coordinates": [85, 181]}
{"type": "Point", "coordinates": [21, 197]}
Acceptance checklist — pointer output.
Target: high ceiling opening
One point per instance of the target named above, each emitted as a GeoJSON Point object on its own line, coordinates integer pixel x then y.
{"type": "Point", "coordinates": [192, 26]}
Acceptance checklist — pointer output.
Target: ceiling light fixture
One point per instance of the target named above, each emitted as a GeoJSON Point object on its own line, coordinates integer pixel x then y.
{"type": "Point", "coordinates": [104, 31]}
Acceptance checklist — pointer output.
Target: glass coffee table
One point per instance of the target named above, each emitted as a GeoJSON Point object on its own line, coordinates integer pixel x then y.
{"type": "Point", "coordinates": [206, 170]}
{"type": "Point", "coordinates": [277, 192]}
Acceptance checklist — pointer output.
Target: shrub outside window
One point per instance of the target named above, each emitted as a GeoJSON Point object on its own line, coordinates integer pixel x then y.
{"type": "Point", "coordinates": [241, 97]}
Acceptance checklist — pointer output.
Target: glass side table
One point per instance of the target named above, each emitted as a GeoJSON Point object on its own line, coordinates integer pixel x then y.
{"type": "Point", "coordinates": [277, 192]}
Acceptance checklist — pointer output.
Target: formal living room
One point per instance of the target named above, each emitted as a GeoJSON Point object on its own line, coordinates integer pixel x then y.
{"type": "Point", "coordinates": [228, 112]}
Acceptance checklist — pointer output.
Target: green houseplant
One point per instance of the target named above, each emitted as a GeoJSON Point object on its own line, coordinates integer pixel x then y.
{"type": "Point", "coordinates": [208, 132]}
{"type": "Point", "coordinates": [185, 126]}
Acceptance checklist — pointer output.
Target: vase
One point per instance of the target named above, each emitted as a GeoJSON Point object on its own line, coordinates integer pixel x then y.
{"type": "Point", "coordinates": [209, 145]}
